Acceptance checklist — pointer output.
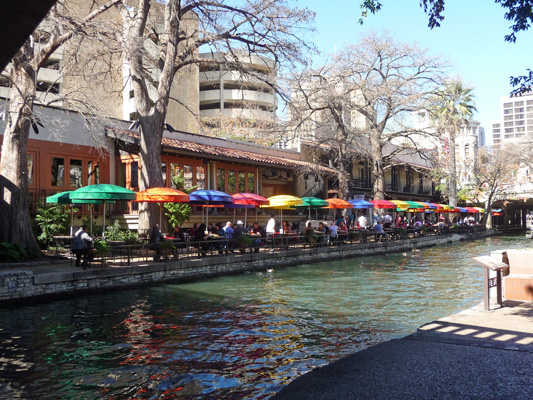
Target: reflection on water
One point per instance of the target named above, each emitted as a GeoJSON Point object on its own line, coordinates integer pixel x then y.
{"type": "Point", "coordinates": [232, 337]}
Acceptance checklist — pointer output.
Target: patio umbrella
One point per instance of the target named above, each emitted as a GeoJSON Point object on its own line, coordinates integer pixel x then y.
{"type": "Point", "coordinates": [338, 203]}
{"type": "Point", "coordinates": [481, 210]}
{"type": "Point", "coordinates": [415, 206]}
{"type": "Point", "coordinates": [208, 198]}
{"type": "Point", "coordinates": [283, 201]}
{"type": "Point", "coordinates": [162, 195]}
{"type": "Point", "coordinates": [438, 208]}
{"type": "Point", "coordinates": [249, 200]}
{"type": "Point", "coordinates": [312, 202]}
{"type": "Point", "coordinates": [401, 205]}
{"type": "Point", "coordinates": [383, 204]}
{"type": "Point", "coordinates": [471, 210]}
{"type": "Point", "coordinates": [102, 193]}
{"type": "Point", "coordinates": [463, 210]}
{"type": "Point", "coordinates": [360, 203]}
{"type": "Point", "coordinates": [64, 198]}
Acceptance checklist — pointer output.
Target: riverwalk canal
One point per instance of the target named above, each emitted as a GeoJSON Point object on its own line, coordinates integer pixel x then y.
{"type": "Point", "coordinates": [239, 336]}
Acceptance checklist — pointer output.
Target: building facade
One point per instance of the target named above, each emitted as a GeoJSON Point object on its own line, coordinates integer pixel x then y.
{"type": "Point", "coordinates": [516, 122]}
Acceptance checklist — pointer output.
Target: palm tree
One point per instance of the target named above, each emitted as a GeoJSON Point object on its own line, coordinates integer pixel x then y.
{"type": "Point", "coordinates": [453, 107]}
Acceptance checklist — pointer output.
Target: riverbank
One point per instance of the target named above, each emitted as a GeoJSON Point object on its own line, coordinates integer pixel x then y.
{"type": "Point", "coordinates": [470, 355]}
{"type": "Point", "coordinates": [27, 282]}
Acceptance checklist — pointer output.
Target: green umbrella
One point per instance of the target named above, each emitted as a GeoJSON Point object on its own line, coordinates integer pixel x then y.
{"type": "Point", "coordinates": [64, 198]}
{"type": "Point", "coordinates": [312, 203]}
{"type": "Point", "coordinates": [101, 194]}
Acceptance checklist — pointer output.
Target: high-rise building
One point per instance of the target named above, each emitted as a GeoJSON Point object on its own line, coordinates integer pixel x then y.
{"type": "Point", "coordinates": [517, 121]}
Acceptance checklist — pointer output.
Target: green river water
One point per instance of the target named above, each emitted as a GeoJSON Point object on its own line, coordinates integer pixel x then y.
{"type": "Point", "coordinates": [232, 337]}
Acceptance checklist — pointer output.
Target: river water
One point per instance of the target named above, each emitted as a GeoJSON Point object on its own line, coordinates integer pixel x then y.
{"type": "Point", "coordinates": [232, 337]}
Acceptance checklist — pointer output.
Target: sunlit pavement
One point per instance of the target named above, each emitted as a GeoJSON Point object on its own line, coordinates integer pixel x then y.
{"type": "Point", "coordinates": [470, 355]}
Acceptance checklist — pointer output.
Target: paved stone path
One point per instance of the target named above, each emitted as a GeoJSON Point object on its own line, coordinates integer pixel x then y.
{"type": "Point", "coordinates": [470, 355]}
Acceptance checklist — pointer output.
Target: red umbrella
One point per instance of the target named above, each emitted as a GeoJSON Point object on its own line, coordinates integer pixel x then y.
{"type": "Point", "coordinates": [383, 204]}
{"type": "Point", "coordinates": [472, 210]}
{"type": "Point", "coordinates": [162, 195]}
{"type": "Point", "coordinates": [249, 199]}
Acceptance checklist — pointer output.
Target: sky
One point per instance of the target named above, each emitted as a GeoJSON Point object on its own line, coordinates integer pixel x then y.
{"type": "Point", "coordinates": [471, 38]}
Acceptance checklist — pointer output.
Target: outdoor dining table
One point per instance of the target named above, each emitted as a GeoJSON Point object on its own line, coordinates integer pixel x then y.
{"type": "Point", "coordinates": [283, 239]}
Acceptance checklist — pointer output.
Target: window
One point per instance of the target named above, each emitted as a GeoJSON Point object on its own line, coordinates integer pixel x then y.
{"type": "Point", "coordinates": [134, 174]}
{"type": "Point", "coordinates": [495, 125]}
{"type": "Point", "coordinates": [251, 182]}
{"type": "Point", "coordinates": [519, 116]}
{"type": "Point", "coordinates": [58, 171]}
{"type": "Point", "coordinates": [508, 124]}
{"type": "Point", "coordinates": [507, 105]}
{"type": "Point", "coordinates": [76, 173]}
{"type": "Point", "coordinates": [519, 110]}
{"type": "Point", "coordinates": [174, 171]}
{"type": "Point", "coordinates": [508, 130]}
{"type": "Point", "coordinates": [508, 118]}
{"type": "Point", "coordinates": [164, 172]}
{"type": "Point", "coordinates": [93, 173]}
{"type": "Point", "coordinates": [467, 150]}
{"type": "Point", "coordinates": [187, 176]}
{"type": "Point", "coordinates": [507, 112]}
{"type": "Point", "coordinates": [518, 103]}
{"type": "Point", "coordinates": [529, 102]}
{"type": "Point", "coordinates": [495, 131]}
{"type": "Point", "coordinates": [520, 129]}
{"type": "Point", "coordinates": [200, 177]}
{"type": "Point", "coordinates": [231, 181]}
{"type": "Point", "coordinates": [242, 183]}
{"type": "Point", "coordinates": [496, 135]}
{"type": "Point", "coordinates": [221, 180]}
{"type": "Point", "coordinates": [519, 123]}
{"type": "Point", "coordinates": [29, 163]}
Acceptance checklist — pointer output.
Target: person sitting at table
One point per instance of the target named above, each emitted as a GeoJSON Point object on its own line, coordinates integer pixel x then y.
{"type": "Point", "coordinates": [81, 246]}
{"type": "Point", "coordinates": [333, 231]}
{"type": "Point", "coordinates": [387, 221]}
{"type": "Point", "coordinates": [309, 234]}
{"type": "Point", "coordinates": [178, 233]}
{"type": "Point", "coordinates": [192, 231]}
{"type": "Point", "coordinates": [417, 225]}
{"type": "Point", "coordinates": [258, 231]}
{"type": "Point", "coordinates": [342, 232]}
{"type": "Point", "coordinates": [200, 238]}
{"type": "Point", "coordinates": [286, 227]}
{"type": "Point", "coordinates": [210, 228]}
{"type": "Point", "coordinates": [228, 230]}
{"type": "Point", "coordinates": [322, 232]}
{"type": "Point", "coordinates": [155, 237]}
{"type": "Point", "coordinates": [239, 230]}
{"type": "Point", "coordinates": [380, 234]}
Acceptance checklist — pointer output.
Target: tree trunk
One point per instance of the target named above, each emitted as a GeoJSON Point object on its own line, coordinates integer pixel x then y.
{"type": "Point", "coordinates": [151, 173]}
{"type": "Point", "coordinates": [452, 167]}
{"type": "Point", "coordinates": [378, 171]}
{"type": "Point", "coordinates": [14, 211]}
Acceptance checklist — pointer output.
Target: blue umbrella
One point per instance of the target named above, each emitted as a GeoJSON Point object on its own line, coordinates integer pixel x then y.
{"type": "Point", "coordinates": [209, 198]}
{"type": "Point", "coordinates": [360, 203]}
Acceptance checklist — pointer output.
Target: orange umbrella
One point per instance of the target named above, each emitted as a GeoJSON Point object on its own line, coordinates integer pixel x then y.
{"type": "Point", "coordinates": [338, 203]}
{"type": "Point", "coordinates": [162, 195]}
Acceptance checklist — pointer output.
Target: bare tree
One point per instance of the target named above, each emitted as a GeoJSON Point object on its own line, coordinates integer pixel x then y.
{"type": "Point", "coordinates": [60, 25]}
{"type": "Point", "coordinates": [162, 39]}
{"type": "Point", "coordinates": [363, 102]}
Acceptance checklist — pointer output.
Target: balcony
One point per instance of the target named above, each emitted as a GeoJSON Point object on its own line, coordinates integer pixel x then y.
{"type": "Point", "coordinates": [360, 184]}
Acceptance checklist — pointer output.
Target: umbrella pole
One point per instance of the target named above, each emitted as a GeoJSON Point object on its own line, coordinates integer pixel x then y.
{"type": "Point", "coordinates": [160, 214]}
{"type": "Point", "coordinates": [71, 218]}
{"type": "Point", "coordinates": [309, 213]}
{"type": "Point", "coordinates": [103, 218]}
{"type": "Point", "coordinates": [245, 214]}
{"type": "Point", "coordinates": [91, 212]}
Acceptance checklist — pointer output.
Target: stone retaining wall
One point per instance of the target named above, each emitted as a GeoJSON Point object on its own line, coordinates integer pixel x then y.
{"type": "Point", "coordinates": [23, 284]}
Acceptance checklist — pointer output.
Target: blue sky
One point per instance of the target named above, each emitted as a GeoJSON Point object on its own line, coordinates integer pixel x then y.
{"type": "Point", "coordinates": [471, 37]}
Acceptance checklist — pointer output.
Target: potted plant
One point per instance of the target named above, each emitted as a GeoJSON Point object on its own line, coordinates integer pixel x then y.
{"type": "Point", "coordinates": [100, 248]}
{"type": "Point", "coordinates": [242, 242]}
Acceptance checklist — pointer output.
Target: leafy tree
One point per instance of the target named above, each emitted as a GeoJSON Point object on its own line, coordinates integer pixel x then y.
{"type": "Point", "coordinates": [451, 108]}
{"type": "Point", "coordinates": [519, 12]}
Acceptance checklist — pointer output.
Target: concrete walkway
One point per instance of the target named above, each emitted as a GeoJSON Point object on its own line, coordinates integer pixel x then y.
{"type": "Point", "coordinates": [471, 355]}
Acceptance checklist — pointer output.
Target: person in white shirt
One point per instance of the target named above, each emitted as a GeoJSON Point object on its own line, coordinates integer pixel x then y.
{"type": "Point", "coordinates": [362, 221]}
{"type": "Point", "coordinates": [81, 246]}
{"type": "Point", "coordinates": [271, 225]}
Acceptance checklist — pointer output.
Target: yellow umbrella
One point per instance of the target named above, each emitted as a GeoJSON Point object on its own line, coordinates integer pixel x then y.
{"type": "Point", "coordinates": [402, 205]}
{"type": "Point", "coordinates": [481, 210]}
{"type": "Point", "coordinates": [283, 201]}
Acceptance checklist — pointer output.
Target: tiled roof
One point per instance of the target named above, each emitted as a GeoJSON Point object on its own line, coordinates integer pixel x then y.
{"type": "Point", "coordinates": [226, 152]}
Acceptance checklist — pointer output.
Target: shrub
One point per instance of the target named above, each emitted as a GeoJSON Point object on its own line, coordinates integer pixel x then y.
{"type": "Point", "coordinates": [52, 220]}
{"type": "Point", "coordinates": [13, 252]}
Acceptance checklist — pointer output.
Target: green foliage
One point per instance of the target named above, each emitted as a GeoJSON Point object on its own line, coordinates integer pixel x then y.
{"type": "Point", "coordinates": [100, 246]}
{"type": "Point", "coordinates": [166, 245]}
{"type": "Point", "coordinates": [114, 233]}
{"type": "Point", "coordinates": [52, 220]}
{"type": "Point", "coordinates": [96, 229]}
{"type": "Point", "coordinates": [178, 213]}
{"type": "Point", "coordinates": [243, 241]}
{"type": "Point", "coordinates": [12, 252]}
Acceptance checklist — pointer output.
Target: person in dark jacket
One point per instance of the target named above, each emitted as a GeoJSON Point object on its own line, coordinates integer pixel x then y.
{"type": "Point", "coordinates": [155, 237]}
{"type": "Point", "coordinates": [200, 238]}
